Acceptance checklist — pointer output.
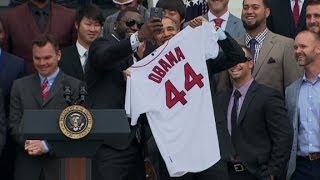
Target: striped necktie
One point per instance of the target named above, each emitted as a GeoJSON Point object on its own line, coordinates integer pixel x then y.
{"type": "Point", "coordinates": [45, 89]}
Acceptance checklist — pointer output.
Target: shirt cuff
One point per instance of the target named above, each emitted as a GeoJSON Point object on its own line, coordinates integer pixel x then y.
{"type": "Point", "coordinates": [134, 41]}
{"type": "Point", "coordinates": [221, 34]}
{"type": "Point", "coordinates": [46, 148]}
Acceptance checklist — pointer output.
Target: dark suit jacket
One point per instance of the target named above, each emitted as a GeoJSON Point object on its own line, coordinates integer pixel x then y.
{"type": "Point", "coordinates": [21, 29]}
{"type": "Point", "coordinates": [281, 19]}
{"type": "Point", "coordinates": [70, 62]}
{"type": "Point", "coordinates": [263, 138]}
{"type": "Point", "coordinates": [11, 68]}
{"type": "Point", "coordinates": [26, 94]}
{"type": "Point", "coordinates": [105, 81]}
{"type": "Point", "coordinates": [3, 128]}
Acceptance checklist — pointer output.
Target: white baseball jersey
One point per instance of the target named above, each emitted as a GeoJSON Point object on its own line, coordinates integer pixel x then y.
{"type": "Point", "coordinates": [171, 86]}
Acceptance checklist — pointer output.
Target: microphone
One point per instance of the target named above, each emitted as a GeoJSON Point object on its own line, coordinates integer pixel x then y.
{"type": "Point", "coordinates": [82, 92]}
{"type": "Point", "coordinates": [67, 92]}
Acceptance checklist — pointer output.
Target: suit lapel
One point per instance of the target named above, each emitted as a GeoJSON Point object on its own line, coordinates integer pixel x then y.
{"type": "Point", "coordinates": [230, 24]}
{"type": "Point", "coordinates": [267, 45]}
{"type": "Point", "coordinates": [36, 85]}
{"type": "Point", "coordinates": [76, 62]}
{"type": "Point", "coordinates": [56, 86]}
{"type": "Point", "coordinates": [247, 100]}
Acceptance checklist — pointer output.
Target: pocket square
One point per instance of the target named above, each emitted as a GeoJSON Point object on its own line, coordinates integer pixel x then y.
{"type": "Point", "coordinates": [271, 60]}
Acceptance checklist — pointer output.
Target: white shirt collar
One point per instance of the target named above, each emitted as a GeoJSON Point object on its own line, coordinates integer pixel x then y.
{"type": "Point", "coordinates": [81, 50]}
{"type": "Point", "coordinates": [225, 16]}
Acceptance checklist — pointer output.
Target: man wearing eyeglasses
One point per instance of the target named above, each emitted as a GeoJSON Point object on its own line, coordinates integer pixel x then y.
{"type": "Point", "coordinates": [109, 56]}
{"type": "Point", "coordinates": [109, 26]}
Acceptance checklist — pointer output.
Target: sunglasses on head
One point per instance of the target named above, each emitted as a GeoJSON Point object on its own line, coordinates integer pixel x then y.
{"type": "Point", "coordinates": [132, 22]}
{"type": "Point", "coordinates": [118, 4]}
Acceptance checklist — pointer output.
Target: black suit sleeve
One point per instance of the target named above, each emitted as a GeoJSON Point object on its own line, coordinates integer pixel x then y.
{"type": "Point", "coordinates": [104, 54]}
{"type": "Point", "coordinates": [230, 55]}
{"type": "Point", "coordinates": [2, 124]}
{"type": "Point", "coordinates": [280, 131]}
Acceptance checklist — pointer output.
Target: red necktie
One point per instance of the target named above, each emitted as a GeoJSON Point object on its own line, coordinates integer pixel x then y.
{"type": "Point", "coordinates": [218, 21]}
{"type": "Point", "coordinates": [296, 12]}
{"type": "Point", "coordinates": [45, 89]}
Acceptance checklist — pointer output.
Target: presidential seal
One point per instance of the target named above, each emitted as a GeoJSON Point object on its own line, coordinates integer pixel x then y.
{"type": "Point", "coordinates": [75, 122]}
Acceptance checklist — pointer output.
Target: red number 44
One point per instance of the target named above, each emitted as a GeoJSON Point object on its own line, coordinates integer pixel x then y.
{"type": "Point", "coordinates": [173, 96]}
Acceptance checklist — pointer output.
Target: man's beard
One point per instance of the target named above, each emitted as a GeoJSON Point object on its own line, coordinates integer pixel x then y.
{"type": "Point", "coordinates": [251, 26]}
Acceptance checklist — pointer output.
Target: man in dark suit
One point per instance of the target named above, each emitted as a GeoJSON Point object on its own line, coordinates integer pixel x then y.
{"type": "Point", "coordinates": [89, 23]}
{"type": "Point", "coordinates": [41, 90]}
{"type": "Point", "coordinates": [108, 57]}
{"type": "Point", "coordinates": [2, 124]}
{"type": "Point", "coordinates": [39, 16]}
{"type": "Point", "coordinates": [282, 19]}
{"type": "Point", "coordinates": [312, 16]}
{"type": "Point", "coordinates": [11, 68]}
{"type": "Point", "coordinates": [256, 118]}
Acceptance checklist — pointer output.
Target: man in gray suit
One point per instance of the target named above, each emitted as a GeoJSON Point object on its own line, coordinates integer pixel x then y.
{"type": "Point", "coordinates": [219, 13]}
{"type": "Point", "coordinates": [303, 102]}
{"type": "Point", "coordinates": [41, 90]}
{"type": "Point", "coordinates": [108, 27]}
{"type": "Point", "coordinates": [272, 53]}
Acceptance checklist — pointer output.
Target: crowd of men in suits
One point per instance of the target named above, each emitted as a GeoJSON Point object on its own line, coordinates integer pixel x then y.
{"type": "Point", "coordinates": [265, 84]}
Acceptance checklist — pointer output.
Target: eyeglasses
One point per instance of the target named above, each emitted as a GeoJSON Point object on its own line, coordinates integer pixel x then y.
{"type": "Point", "coordinates": [132, 22]}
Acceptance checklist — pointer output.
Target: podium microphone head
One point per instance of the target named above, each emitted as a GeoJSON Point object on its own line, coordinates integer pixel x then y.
{"type": "Point", "coordinates": [82, 92]}
{"type": "Point", "coordinates": [67, 91]}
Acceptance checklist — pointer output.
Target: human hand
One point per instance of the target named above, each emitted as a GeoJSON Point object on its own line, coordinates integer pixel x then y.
{"type": "Point", "coordinates": [197, 21]}
{"type": "Point", "coordinates": [149, 29]}
{"type": "Point", "coordinates": [34, 147]}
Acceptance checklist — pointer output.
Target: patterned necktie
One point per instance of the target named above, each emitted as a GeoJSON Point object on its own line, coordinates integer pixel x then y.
{"type": "Point", "coordinates": [218, 22]}
{"type": "Point", "coordinates": [252, 44]}
{"type": "Point", "coordinates": [296, 12]}
{"type": "Point", "coordinates": [234, 111]}
{"type": "Point", "coordinates": [85, 55]}
{"type": "Point", "coordinates": [45, 89]}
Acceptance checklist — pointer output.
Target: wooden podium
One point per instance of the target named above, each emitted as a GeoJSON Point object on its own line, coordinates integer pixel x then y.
{"type": "Point", "coordinates": [109, 127]}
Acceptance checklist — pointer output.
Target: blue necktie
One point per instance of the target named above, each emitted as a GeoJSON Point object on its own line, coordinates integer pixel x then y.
{"type": "Point", "coordinates": [252, 44]}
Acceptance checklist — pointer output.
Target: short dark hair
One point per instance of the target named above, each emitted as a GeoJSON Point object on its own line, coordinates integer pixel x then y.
{"type": "Point", "coordinates": [264, 2]}
{"type": "Point", "coordinates": [90, 11]}
{"type": "Point", "coordinates": [44, 39]}
{"type": "Point", "coordinates": [313, 2]}
{"type": "Point", "coordinates": [173, 5]}
{"type": "Point", "coordinates": [123, 12]}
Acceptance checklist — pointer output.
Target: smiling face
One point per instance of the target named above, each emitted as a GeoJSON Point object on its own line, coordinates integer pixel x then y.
{"type": "Point", "coordinates": [121, 27]}
{"type": "Point", "coordinates": [45, 59]}
{"type": "Point", "coordinates": [242, 71]}
{"type": "Point", "coordinates": [88, 31]}
{"type": "Point", "coordinates": [306, 48]}
{"type": "Point", "coordinates": [254, 15]}
{"type": "Point", "coordinates": [170, 29]}
{"type": "Point", "coordinates": [313, 18]}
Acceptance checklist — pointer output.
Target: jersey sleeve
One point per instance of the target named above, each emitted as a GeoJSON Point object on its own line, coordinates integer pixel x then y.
{"type": "Point", "coordinates": [210, 38]}
{"type": "Point", "coordinates": [136, 100]}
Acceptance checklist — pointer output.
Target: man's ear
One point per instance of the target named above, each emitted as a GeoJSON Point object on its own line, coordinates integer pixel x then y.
{"type": "Point", "coordinates": [76, 26]}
